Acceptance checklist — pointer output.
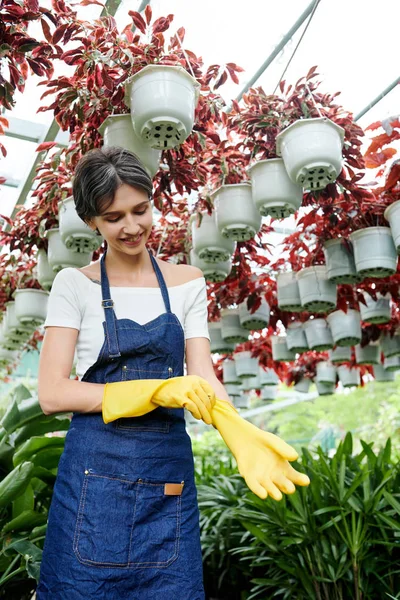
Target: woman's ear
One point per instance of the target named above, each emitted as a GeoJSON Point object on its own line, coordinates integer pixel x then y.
{"type": "Point", "coordinates": [92, 226]}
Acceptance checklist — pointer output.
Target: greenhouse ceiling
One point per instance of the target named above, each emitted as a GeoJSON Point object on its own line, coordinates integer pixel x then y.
{"type": "Point", "coordinates": [354, 44]}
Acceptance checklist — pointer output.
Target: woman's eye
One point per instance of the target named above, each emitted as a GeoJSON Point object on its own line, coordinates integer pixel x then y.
{"type": "Point", "coordinates": [117, 218]}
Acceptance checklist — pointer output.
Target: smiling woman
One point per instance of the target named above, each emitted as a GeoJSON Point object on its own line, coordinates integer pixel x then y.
{"type": "Point", "coordinates": [131, 318]}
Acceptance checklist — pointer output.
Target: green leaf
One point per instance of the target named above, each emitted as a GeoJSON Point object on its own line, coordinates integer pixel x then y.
{"type": "Point", "coordinates": [43, 424]}
{"type": "Point", "coordinates": [18, 415]}
{"type": "Point", "coordinates": [38, 532]}
{"type": "Point", "coordinates": [26, 520]}
{"type": "Point", "coordinates": [15, 483]}
{"type": "Point", "coordinates": [34, 445]}
{"type": "Point", "coordinates": [24, 502]}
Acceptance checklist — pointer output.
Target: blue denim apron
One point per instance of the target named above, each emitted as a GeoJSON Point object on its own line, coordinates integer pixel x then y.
{"type": "Point", "coordinates": [115, 529]}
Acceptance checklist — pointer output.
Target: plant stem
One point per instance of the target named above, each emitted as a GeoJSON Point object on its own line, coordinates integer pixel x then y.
{"type": "Point", "coordinates": [10, 566]}
{"type": "Point", "coordinates": [11, 575]}
{"type": "Point", "coordinates": [315, 583]}
{"type": "Point", "coordinates": [356, 588]}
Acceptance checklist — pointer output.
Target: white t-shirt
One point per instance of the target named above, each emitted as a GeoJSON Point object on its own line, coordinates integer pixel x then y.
{"type": "Point", "coordinates": [75, 301]}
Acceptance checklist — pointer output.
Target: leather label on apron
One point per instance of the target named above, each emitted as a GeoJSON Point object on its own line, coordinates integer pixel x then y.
{"type": "Point", "coordinates": [173, 489]}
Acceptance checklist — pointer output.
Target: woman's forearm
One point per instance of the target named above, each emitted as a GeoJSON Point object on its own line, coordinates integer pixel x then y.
{"type": "Point", "coordinates": [69, 395]}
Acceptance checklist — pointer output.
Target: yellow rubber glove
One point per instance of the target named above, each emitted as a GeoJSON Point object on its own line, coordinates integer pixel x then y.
{"type": "Point", "coordinates": [262, 457]}
{"type": "Point", "coordinates": [140, 396]}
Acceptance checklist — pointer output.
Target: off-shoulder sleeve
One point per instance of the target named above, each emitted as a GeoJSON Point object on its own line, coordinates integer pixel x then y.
{"type": "Point", "coordinates": [64, 307]}
{"type": "Point", "coordinates": [196, 313]}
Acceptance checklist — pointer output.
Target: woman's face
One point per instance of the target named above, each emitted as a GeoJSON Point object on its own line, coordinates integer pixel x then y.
{"type": "Point", "coordinates": [126, 224]}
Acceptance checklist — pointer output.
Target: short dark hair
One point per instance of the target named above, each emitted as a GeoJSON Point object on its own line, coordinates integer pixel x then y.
{"type": "Point", "coordinates": [98, 175]}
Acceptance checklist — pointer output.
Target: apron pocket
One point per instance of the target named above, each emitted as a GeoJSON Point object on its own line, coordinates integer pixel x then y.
{"type": "Point", "coordinates": [124, 523]}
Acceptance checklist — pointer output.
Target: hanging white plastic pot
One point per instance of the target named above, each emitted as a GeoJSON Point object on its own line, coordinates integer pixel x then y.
{"type": "Point", "coordinates": [339, 259]}
{"type": "Point", "coordinates": [250, 383]}
{"type": "Point", "coordinates": [375, 311]}
{"type": "Point", "coordinates": [312, 152]}
{"type": "Point", "coordinates": [231, 330]}
{"type": "Point", "coordinates": [340, 354]}
{"type": "Point", "coordinates": [257, 320]}
{"type": "Point", "coordinates": [392, 214]}
{"type": "Point", "coordinates": [274, 194]}
{"type": "Point", "coordinates": [213, 272]}
{"type": "Point", "coordinates": [241, 402]}
{"type": "Point", "coordinates": [325, 389]}
{"type": "Point", "coordinates": [349, 377]}
{"type": "Point", "coordinates": [382, 374]}
{"type": "Point", "coordinates": [268, 377]}
{"type": "Point", "coordinates": [12, 328]}
{"type": "Point", "coordinates": [317, 293]}
{"type": "Point", "coordinates": [237, 217]}
{"type": "Point", "coordinates": [45, 274]}
{"type": "Point", "coordinates": [7, 357]}
{"type": "Point", "coordinates": [217, 343]}
{"type": "Point", "coordinates": [296, 338]}
{"type": "Point", "coordinates": [31, 307]}
{"type": "Point", "coordinates": [60, 257]}
{"type": "Point", "coordinates": [302, 386]}
{"type": "Point", "coordinates": [245, 364]}
{"type": "Point", "coordinates": [288, 292]}
{"type": "Point", "coordinates": [345, 327]}
{"type": "Point", "coordinates": [318, 335]}
{"type": "Point", "coordinates": [75, 234]}
{"type": "Point", "coordinates": [392, 363]}
{"type": "Point", "coordinates": [280, 351]}
{"type": "Point", "coordinates": [368, 355]}
{"type": "Point", "coordinates": [208, 243]}
{"type": "Point", "coordinates": [326, 373]}
{"type": "Point", "coordinates": [162, 100]}
{"type": "Point", "coordinates": [117, 130]}
{"type": "Point", "coordinates": [269, 393]}
{"type": "Point", "coordinates": [233, 390]}
{"type": "Point", "coordinates": [390, 345]}
{"type": "Point", "coordinates": [229, 374]}
{"type": "Point", "coordinates": [6, 343]}
{"type": "Point", "coordinates": [375, 254]}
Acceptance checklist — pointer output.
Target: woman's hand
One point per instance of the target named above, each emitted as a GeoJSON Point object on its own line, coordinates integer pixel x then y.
{"type": "Point", "coordinates": [262, 457]}
{"type": "Point", "coordinates": [189, 391]}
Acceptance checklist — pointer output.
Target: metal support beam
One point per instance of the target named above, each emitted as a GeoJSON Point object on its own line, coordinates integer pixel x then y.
{"type": "Point", "coordinates": [29, 131]}
{"type": "Point", "coordinates": [377, 99]}
{"type": "Point", "coordinates": [277, 49]}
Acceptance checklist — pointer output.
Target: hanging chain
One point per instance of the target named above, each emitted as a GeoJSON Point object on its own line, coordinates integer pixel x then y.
{"type": "Point", "coordinates": [185, 55]}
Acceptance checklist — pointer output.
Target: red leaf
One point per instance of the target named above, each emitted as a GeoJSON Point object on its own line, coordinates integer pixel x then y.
{"type": "Point", "coordinates": [33, 5]}
{"type": "Point", "coordinates": [312, 72]}
{"type": "Point", "coordinates": [59, 32]}
{"type": "Point", "coordinates": [221, 80]}
{"type": "Point", "coordinates": [372, 161]}
{"type": "Point", "coordinates": [373, 126]}
{"type": "Point", "coordinates": [394, 176]}
{"type": "Point", "coordinates": [4, 153]}
{"type": "Point", "coordinates": [148, 14]}
{"type": "Point", "coordinates": [232, 73]}
{"type": "Point", "coordinates": [162, 24]}
{"type": "Point", "coordinates": [181, 33]}
{"type": "Point", "coordinates": [46, 146]}
{"type": "Point", "coordinates": [234, 67]}
{"type": "Point", "coordinates": [98, 77]}
{"type": "Point", "coordinates": [46, 31]}
{"type": "Point", "coordinates": [88, 2]}
{"type": "Point", "coordinates": [4, 121]}
{"type": "Point", "coordinates": [138, 20]}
